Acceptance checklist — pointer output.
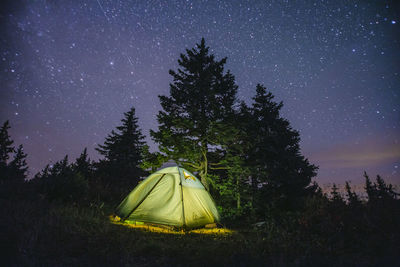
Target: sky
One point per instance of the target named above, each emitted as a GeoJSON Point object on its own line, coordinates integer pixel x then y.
{"type": "Point", "coordinates": [70, 69]}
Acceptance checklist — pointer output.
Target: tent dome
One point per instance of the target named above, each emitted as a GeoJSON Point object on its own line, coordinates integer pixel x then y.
{"type": "Point", "coordinates": [171, 196]}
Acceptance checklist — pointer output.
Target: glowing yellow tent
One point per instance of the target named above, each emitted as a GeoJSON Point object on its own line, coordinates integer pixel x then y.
{"type": "Point", "coordinates": [171, 196]}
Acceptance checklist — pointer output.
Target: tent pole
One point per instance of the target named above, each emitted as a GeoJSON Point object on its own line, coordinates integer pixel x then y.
{"type": "Point", "coordinates": [144, 197]}
{"type": "Point", "coordinates": [183, 209]}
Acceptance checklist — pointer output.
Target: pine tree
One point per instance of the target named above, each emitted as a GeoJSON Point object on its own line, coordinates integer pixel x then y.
{"type": "Point", "coordinates": [61, 168]}
{"type": "Point", "coordinates": [379, 191]}
{"type": "Point", "coordinates": [335, 195]}
{"type": "Point", "coordinates": [43, 173]}
{"type": "Point", "coordinates": [123, 149]}
{"type": "Point", "coordinates": [83, 165]}
{"type": "Point", "coordinates": [6, 148]}
{"type": "Point", "coordinates": [385, 191]}
{"type": "Point", "coordinates": [193, 123]}
{"type": "Point", "coordinates": [18, 166]}
{"type": "Point", "coordinates": [370, 189]}
{"type": "Point", "coordinates": [62, 181]}
{"type": "Point", "coordinates": [352, 197]}
{"type": "Point", "coordinates": [279, 170]}
{"type": "Point", "coordinates": [5, 143]}
{"type": "Point", "coordinates": [232, 184]}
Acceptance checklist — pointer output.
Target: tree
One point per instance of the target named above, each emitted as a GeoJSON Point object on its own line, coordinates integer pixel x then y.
{"type": "Point", "coordinates": [370, 189]}
{"type": "Point", "coordinates": [83, 165]}
{"type": "Point", "coordinates": [385, 192]}
{"type": "Point", "coordinates": [279, 172]}
{"type": "Point", "coordinates": [335, 195]}
{"type": "Point", "coordinates": [379, 191]}
{"type": "Point", "coordinates": [5, 143]}
{"type": "Point", "coordinates": [18, 166]}
{"type": "Point", "coordinates": [194, 121]}
{"type": "Point", "coordinates": [152, 161]}
{"type": "Point", "coordinates": [233, 183]}
{"type": "Point", "coordinates": [5, 148]}
{"type": "Point", "coordinates": [123, 150]}
{"type": "Point", "coordinates": [352, 197]}
{"type": "Point", "coordinates": [62, 182]}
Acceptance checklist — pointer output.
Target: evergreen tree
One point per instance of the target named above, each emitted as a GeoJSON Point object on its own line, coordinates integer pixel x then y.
{"type": "Point", "coordinates": [43, 173]}
{"type": "Point", "coordinates": [62, 182]}
{"type": "Point", "coordinates": [16, 169]}
{"type": "Point", "coordinates": [385, 191]}
{"type": "Point", "coordinates": [335, 195]}
{"type": "Point", "coordinates": [123, 149]}
{"type": "Point", "coordinates": [5, 147]}
{"type": "Point", "coordinates": [5, 143]}
{"type": "Point", "coordinates": [61, 168]}
{"type": "Point", "coordinates": [232, 184]}
{"type": "Point", "coordinates": [352, 197]}
{"type": "Point", "coordinates": [83, 165]}
{"type": "Point", "coordinates": [194, 121]}
{"type": "Point", "coordinates": [379, 191]}
{"type": "Point", "coordinates": [18, 166]}
{"type": "Point", "coordinates": [370, 189]}
{"type": "Point", "coordinates": [279, 171]}
{"type": "Point", "coordinates": [152, 161]}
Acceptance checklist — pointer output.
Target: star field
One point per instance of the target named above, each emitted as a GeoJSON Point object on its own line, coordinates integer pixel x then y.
{"type": "Point", "coordinates": [70, 69]}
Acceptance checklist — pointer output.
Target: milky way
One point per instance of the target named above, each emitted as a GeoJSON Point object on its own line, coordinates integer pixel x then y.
{"type": "Point", "coordinates": [69, 69]}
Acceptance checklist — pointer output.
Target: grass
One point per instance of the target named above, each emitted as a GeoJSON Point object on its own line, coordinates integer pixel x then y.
{"type": "Point", "coordinates": [39, 233]}
{"type": "Point", "coordinates": [43, 234]}
{"type": "Point", "coordinates": [169, 230]}
{"type": "Point", "coordinates": [35, 232]}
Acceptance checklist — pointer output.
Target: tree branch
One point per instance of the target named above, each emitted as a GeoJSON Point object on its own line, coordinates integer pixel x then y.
{"type": "Point", "coordinates": [191, 164]}
{"type": "Point", "coordinates": [219, 168]}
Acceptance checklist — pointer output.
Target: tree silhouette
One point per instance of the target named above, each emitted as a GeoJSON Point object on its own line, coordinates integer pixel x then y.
{"type": "Point", "coordinates": [379, 191]}
{"type": "Point", "coordinates": [123, 150]}
{"type": "Point", "coordinates": [279, 171]}
{"type": "Point", "coordinates": [335, 195]}
{"type": "Point", "coordinates": [16, 169]}
{"type": "Point", "coordinates": [18, 166]}
{"type": "Point", "coordinates": [83, 164]}
{"type": "Point", "coordinates": [5, 143]}
{"type": "Point", "coordinates": [352, 197]}
{"type": "Point", "coordinates": [62, 182]}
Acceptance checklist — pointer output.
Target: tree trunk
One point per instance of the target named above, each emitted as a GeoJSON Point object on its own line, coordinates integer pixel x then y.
{"type": "Point", "coordinates": [204, 170]}
{"type": "Point", "coordinates": [237, 193]}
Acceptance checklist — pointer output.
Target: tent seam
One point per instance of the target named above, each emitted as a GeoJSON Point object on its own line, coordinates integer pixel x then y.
{"type": "Point", "coordinates": [183, 207]}
{"type": "Point", "coordinates": [144, 197]}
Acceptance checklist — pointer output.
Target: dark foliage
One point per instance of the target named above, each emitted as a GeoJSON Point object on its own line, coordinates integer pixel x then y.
{"type": "Point", "coordinates": [123, 152]}
{"type": "Point", "coordinates": [325, 232]}
{"type": "Point", "coordinates": [247, 157]}
{"type": "Point", "coordinates": [194, 121]}
{"type": "Point", "coordinates": [279, 176]}
{"type": "Point", "coordinates": [63, 182]}
{"type": "Point", "coordinates": [5, 143]}
{"type": "Point", "coordinates": [16, 170]}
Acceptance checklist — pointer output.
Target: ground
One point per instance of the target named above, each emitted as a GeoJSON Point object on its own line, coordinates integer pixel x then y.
{"type": "Point", "coordinates": [35, 232]}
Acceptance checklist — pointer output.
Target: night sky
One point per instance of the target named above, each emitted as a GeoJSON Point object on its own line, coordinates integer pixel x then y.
{"type": "Point", "coordinates": [69, 69]}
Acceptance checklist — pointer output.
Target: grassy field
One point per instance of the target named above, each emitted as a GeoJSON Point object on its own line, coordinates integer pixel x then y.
{"type": "Point", "coordinates": [35, 232]}
{"type": "Point", "coordinates": [54, 235]}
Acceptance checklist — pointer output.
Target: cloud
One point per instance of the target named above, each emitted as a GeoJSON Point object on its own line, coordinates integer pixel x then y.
{"type": "Point", "coordinates": [363, 155]}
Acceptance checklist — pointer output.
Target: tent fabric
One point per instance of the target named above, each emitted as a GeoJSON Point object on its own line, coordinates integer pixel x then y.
{"type": "Point", "coordinates": [171, 196]}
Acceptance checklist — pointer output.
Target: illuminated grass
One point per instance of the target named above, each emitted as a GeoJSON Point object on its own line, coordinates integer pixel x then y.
{"type": "Point", "coordinates": [170, 230]}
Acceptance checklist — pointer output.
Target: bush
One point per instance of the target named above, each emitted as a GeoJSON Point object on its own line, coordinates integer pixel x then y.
{"type": "Point", "coordinates": [70, 187]}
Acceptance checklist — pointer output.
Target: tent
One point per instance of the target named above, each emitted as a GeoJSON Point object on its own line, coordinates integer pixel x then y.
{"type": "Point", "coordinates": [171, 196]}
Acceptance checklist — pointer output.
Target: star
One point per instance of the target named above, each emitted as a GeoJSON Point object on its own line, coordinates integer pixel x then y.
{"type": "Point", "coordinates": [330, 63]}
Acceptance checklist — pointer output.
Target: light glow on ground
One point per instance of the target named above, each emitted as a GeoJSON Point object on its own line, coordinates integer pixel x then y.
{"type": "Point", "coordinates": [170, 230]}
